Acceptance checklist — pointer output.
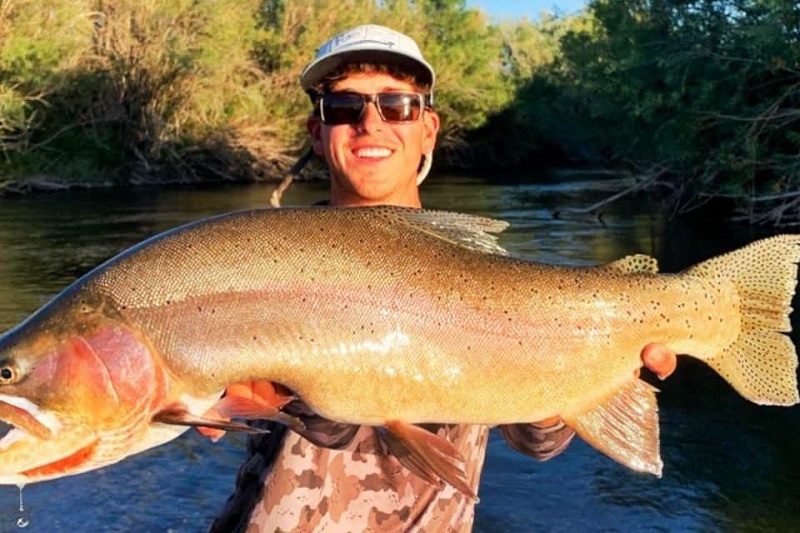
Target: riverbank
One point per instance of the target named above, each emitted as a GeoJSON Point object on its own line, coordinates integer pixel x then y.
{"type": "Point", "coordinates": [181, 92]}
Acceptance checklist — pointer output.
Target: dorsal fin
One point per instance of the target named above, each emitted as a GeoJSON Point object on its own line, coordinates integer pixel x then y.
{"type": "Point", "coordinates": [470, 231]}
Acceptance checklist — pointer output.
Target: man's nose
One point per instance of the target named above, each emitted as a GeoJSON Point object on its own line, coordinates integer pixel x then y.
{"type": "Point", "coordinates": [371, 118]}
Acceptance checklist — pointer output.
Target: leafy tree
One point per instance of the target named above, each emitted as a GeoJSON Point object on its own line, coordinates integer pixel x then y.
{"type": "Point", "coordinates": [704, 91]}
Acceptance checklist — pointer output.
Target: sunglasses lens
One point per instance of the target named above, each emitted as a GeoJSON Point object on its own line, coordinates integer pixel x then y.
{"type": "Point", "coordinates": [348, 108]}
{"type": "Point", "coordinates": [341, 108]}
{"type": "Point", "coordinates": [399, 107]}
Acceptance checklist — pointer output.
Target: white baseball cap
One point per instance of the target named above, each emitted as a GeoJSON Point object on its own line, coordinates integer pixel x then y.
{"type": "Point", "coordinates": [369, 43]}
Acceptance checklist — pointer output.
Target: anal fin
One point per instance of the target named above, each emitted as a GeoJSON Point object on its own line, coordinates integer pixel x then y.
{"type": "Point", "coordinates": [427, 455]}
{"type": "Point", "coordinates": [624, 427]}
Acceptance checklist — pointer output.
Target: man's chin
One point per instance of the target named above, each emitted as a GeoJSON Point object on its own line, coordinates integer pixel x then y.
{"type": "Point", "coordinates": [375, 190]}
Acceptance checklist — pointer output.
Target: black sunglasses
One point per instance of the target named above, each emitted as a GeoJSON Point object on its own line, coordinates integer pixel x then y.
{"type": "Point", "coordinates": [348, 108]}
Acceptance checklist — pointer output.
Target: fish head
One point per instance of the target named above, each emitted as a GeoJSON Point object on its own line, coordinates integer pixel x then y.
{"type": "Point", "coordinates": [78, 391]}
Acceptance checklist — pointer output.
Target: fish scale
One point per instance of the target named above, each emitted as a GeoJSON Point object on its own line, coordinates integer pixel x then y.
{"type": "Point", "coordinates": [394, 317]}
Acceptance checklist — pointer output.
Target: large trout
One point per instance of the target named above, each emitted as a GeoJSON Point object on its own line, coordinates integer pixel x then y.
{"type": "Point", "coordinates": [383, 316]}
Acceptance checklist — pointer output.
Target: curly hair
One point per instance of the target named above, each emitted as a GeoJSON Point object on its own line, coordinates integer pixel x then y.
{"type": "Point", "coordinates": [344, 70]}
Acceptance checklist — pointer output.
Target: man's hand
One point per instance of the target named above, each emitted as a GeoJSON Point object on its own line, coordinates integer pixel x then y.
{"type": "Point", "coordinates": [248, 399]}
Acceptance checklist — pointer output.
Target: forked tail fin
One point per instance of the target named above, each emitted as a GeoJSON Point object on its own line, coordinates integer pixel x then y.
{"type": "Point", "coordinates": [762, 363]}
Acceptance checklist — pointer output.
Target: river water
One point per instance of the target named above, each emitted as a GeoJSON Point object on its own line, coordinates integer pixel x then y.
{"type": "Point", "coordinates": [728, 465]}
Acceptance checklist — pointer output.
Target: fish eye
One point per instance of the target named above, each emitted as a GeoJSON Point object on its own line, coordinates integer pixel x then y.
{"type": "Point", "coordinates": [8, 375]}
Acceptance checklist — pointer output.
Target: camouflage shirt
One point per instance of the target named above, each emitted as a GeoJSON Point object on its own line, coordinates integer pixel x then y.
{"type": "Point", "coordinates": [291, 484]}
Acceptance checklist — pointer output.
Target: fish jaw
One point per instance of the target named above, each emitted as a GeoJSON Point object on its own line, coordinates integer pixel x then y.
{"type": "Point", "coordinates": [39, 445]}
{"type": "Point", "coordinates": [26, 457]}
{"type": "Point", "coordinates": [80, 393]}
{"type": "Point", "coordinates": [74, 447]}
{"type": "Point", "coordinates": [25, 415]}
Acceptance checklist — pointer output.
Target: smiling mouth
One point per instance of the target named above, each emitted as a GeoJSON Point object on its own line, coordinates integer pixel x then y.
{"type": "Point", "coordinates": [372, 153]}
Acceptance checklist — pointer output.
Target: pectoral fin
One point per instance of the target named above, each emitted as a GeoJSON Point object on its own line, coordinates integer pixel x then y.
{"type": "Point", "coordinates": [179, 416]}
{"type": "Point", "coordinates": [427, 455]}
{"type": "Point", "coordinates": [541, 440]}
{"type": "Point", "coordinates": [624, 427]}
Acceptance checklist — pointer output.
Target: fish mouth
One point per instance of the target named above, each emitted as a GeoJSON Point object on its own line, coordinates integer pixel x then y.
{"type": "Point", "coordinates": [29, 451]}
{"type": "Point", "coordinates": [5, 429]}
{"type": "Point", "coordinates": [20, 416]}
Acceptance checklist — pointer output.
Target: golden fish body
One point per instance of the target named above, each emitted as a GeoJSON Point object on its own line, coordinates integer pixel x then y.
{"type": "Point", "coordinates": [373, 315]}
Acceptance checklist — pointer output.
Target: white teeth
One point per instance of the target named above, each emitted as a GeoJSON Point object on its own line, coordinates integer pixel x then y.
{"type": "Point", "coordinates": [373, 152]}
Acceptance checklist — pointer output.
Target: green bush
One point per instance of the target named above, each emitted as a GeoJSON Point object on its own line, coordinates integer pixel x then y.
{"type": "Point", "coordinates": [181, 90]}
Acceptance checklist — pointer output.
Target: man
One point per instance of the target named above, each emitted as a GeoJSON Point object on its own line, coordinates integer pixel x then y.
{"type": "Point", "coordinates": [374, 123]}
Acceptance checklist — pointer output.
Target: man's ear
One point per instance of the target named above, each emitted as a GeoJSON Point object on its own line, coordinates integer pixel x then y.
{"type": "Point", "coordinates": [430, 124]}
{"type": "Point", "coordinates": [314, 127]}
